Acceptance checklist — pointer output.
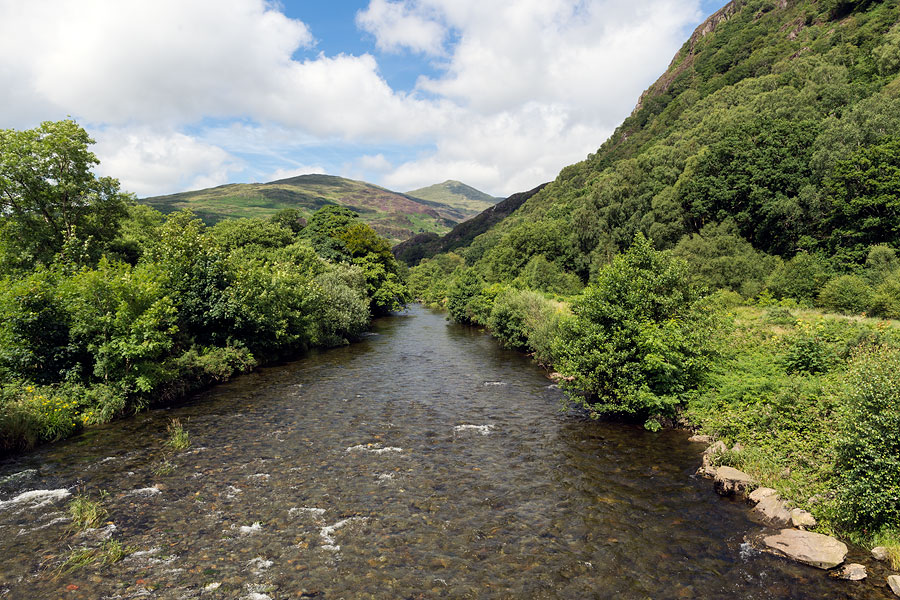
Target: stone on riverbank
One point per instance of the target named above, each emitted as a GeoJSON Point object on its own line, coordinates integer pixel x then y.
{"type": "Point", "coordinates": [851, 572]}
{"type": "Point", "coordinates": [731, 481]}
{"type": "Point", "coordinates": [773, 512]}
{"type": "Point", "coordinates": [706, 469]}
{"type": "Point", "coordinates": [802, 519]}
{"type": "Point", "coordinates": [701, 439]}
{"type": "Point", "coordinates": [894, 583]}
{"type": "Point", "coordinates": [760, 494]}
{"type": "Point", "coordinates": [809, 548]}
{"type": "Point", "coordinates": [880, 553]}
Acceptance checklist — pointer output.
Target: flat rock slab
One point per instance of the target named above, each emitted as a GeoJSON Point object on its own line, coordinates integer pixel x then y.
{"type": "Point", "coordinates": [809, 548]}
{"type": "Point", "coordinates": [731, 481]}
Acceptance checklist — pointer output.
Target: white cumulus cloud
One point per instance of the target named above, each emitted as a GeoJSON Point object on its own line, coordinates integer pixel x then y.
{"type": "Point", "coordinates": [187, 94]}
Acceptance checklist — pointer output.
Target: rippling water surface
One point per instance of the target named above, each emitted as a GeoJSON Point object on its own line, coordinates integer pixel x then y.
{"type": "Point", "coordinates": [423, 462]}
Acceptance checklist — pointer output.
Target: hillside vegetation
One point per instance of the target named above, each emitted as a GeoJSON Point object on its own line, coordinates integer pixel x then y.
{"type": "Point", "coordinates": [395, 216]}
{"type": "Point", "coordinates": [719, 260]}
{"type": "Point", "coordinates": [456, 194]}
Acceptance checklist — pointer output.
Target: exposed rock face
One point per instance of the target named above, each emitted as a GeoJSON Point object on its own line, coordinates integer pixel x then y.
{"type": "Point", "coordinates": [879, 553]}
{"type": "Point", "coordinates": [760, 494]}
{"type": "Point", "coordinates": [809, 548]}
{"type": "Point", "coordinates": [894, 584]}
{"type": "Point", "coordinates": [772, 511]}
{"type": "Point", "coordinates": [731, 481]}
{"type": "Point", "coordinates": [802, 519]}
{"type": "Point", "coordinates": [851, 572]}
{"type": "Point", "coordinates": [702, 439]}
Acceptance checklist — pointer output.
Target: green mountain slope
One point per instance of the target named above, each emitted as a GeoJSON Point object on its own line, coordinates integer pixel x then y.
{"type": "Point", "coordinates": [458, 195]}
{"type": "Point", "coordinates": [395, 216]}
{"type": "Point", "coordinates": [777, 124]}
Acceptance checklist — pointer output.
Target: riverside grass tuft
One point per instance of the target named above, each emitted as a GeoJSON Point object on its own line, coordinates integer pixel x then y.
{"type": "Point", "coordinates": [179, 438]}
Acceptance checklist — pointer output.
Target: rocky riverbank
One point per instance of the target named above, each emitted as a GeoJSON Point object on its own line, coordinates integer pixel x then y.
{"type": "Point", "coordinates": [786, 530]}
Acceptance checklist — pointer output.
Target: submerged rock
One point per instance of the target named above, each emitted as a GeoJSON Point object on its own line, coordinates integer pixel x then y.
{"type": "Point", "coordinates": [894, 584]}
{"type": "Point", "coordinates": [851, 572]}
{"type": "Point", "coordinates": [807, 547]}
{"type": "Point", "coordinates": [731, 481]}
{"type": "Point", "coordinates": [772, 511]}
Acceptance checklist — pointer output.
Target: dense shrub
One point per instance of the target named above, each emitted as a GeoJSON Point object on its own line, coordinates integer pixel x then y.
{"type": "Point", "coordinates": [800, 278]}
{"type": "Point", "coordinates": [638, 341]}
{"type": "Point", "coordinates": [868, 452]}
{"type": "Point", "coordinates": [465, 286]}
{"type": "Point", "coordinates": [846, 294]}
{"type": "Point", "coordinates": [886, 298]}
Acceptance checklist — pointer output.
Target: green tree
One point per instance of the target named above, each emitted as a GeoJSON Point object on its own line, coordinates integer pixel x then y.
{"type": "Point", "coordinates": [865, 197]}
{"type": "Point", "coordinates": [47, 189]}
{"type": "Point", "coordinates": [637, 343]}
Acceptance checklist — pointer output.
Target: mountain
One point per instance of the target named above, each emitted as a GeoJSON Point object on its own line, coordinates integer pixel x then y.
{"type": "Point", "coordinates": [426, 245]}
{"type": "Point", "coordinates": [395, 216]}
{"type": "Point", "coordinates": [456, 194]}
{"type": "Point", "coordinates": [775, 129]}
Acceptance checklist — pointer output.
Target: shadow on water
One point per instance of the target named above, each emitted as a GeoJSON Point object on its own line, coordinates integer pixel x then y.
{"type": "Point", "coordinates": [423, 462]}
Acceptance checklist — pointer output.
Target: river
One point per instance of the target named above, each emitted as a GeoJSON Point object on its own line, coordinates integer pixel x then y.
{"type": "Point", "coordinates": [422, 462]}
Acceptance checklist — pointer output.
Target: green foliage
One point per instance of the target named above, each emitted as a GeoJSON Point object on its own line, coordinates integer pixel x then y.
{"type": "Point", "coordinates": [638, 341]}
{"type": "Point", "coordinates": [86, 513]}
{"type": "Point", "coordinates": [846, 294]}
{"type": "Point", "coordinates": [720, 259]}
{"type": "Point", "coordinates": [800, 278]}
{"type": "Point", "coordinates": [35, 341]}
{"type": "Point", "coordinates": [466, 285]}
{"type": "Point", "coordinates": [865, 197]}
{"type": "Point", "coordinates": [179, 438]}
{"type": "Point", "coordinates": [165, 307]}
{"type": "Point", "coordinates": [881, 261]}
{"type": "Point", "coordinates": [868, 453]}
{"type": "Point", "coordinates": [49, 195]}
{"type": "Point", "coordinates": [545, 276]}
{"type": "Point", "coordinates": [886, 298]}
{"type": "Point", "coordinates": [122, 316]}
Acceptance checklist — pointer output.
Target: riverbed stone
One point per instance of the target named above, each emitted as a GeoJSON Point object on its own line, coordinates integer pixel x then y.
{"type": "Point", "coordinates": [732, 481]}
{"type": "Point", "coordinates": [706, 469]}
{"type": "Point", "coordinates": [773, 511]}
{"type": "Point", "coordinates": [761, 493]}
{"type": "Point", "coordinates": [802, 518]}
{"type": "Point", "coordinates": [894, 584]}
{"type": "Point", "coordinates": [851, 572]}
{"type": "Point", "coordinates": [880, 553]}
{"type": "Point", "coordinates": [807, 547]}
{"type": "Point", "coordinates": [701, 439]}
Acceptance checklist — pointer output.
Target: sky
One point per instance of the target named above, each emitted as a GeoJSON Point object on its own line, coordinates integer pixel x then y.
{"type": "Point", "coordinates": [188, 94]}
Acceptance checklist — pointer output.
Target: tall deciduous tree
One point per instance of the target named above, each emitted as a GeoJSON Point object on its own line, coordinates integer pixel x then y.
{"type": "Point", "coordinates": [49, 197]}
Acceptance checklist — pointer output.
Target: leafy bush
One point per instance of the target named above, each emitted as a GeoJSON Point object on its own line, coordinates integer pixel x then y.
{"type": "Point", "coordinates": [846, 294]}
{"type": "Point", "coordinates": [800, 278]}
{"type": "Point", "coordinates": [638, 341]}
{"type": "Point", "coordinates": [868, 452]}
{"type": "Point", "coordinates": [466, 285]}
{"type": "Point", "coordinates": [885, 300]}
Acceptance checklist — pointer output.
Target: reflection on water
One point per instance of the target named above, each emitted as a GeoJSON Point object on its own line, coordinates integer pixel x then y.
{"type": "Point", "coordinates": [423, 462]}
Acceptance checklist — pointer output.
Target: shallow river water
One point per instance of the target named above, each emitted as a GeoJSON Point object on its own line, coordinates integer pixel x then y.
{"type": "Point", "coordinates": [423, 462]}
